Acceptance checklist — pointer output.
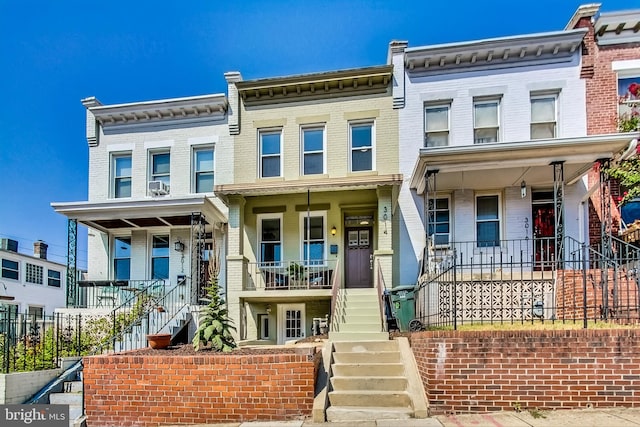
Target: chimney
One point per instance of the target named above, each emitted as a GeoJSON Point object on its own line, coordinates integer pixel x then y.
{"type": "Point", "coordinates": [40, 249]}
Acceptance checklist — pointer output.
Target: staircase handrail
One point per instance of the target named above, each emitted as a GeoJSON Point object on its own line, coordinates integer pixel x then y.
{"type": "Point", "coordinates": [170, 300]}
{"type": "Point", "coordinates": [381, 286]}
{"type": "Point", "coordinates": [335, 285]}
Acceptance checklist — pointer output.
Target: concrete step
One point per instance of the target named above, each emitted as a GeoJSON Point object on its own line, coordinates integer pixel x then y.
{"type": "Point", "coordinates": [72, 387]}
{"type": "Point", "coordinates": [349, 414]}
{"type": "Point", "coordinates": [367, 356]}
{"type": "Point", "coordinates": [360, 327]}
{"type": "Point", "coordinates": [368, 369]}
{"type": "Point", "coordinates": [359, 315]}
{"type": "Point", "coordinates": [66, 399]}
{"type": "Point", "coordinates": [365, 346]}
{"type": "Point", "coordinates": [371, 398]}
{"type": "Point", "coordinates": [369, 383]}
{"type": "Point", "coordinates": [358, 336]}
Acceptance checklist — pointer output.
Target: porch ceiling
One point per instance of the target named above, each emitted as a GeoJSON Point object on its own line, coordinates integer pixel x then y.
{"type": "Point", "coordinates": [145, 213]}
{"type": "Point", "coordinates": [493, 166]}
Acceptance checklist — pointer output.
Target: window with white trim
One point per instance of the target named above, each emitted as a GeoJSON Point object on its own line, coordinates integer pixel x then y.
{"type": "Point", "coordinates": [122, 258]}
{"type": "Point", "coordinates": [160, 257]}
{"type": "Point", "coordinates": [544, 116]}
{"type": "Point", "coordinates": [33, 273]}
{"type": "Point", "coordinates": [361, 136]}
{"type": "Point", "coordinates": [436, 125]}
{"type": "Point", "coordinates": [270, 153]}
{"type": "Point", "coordinates": [486, 121]}
{"type": "Point", "coordinates": [313, 226]}
{"type": "Point", "coordinates": [487, 220]}
{"type": "Point", "coordinates": [203, 172]}
{"type": "Point", "coordinates": [54, 278]}
{"type": "Point", "coordinates": [10, 269]}
{"type": "Point", "coordinates": [121, 173]}
{"type": "Point", "coordinates": [439, 228]}
{"type": "Point", "coordinates": [270, 238]}
{"type": "Point", "coordinates": [161, 167]}
{"type": "Point", "coordinates": [629, 100]}
{"type": "Point", "coordinates": [312, 150]}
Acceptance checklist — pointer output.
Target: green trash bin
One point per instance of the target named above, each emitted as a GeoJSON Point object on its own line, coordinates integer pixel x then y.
{"type": "Point", "coordinates": [403, 305]}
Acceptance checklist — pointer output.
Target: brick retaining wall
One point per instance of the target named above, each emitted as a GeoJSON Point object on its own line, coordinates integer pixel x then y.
{"type": "Point", "coordinates": [135, 390]}
{"type": "Point", "coordinates": [497, 370]}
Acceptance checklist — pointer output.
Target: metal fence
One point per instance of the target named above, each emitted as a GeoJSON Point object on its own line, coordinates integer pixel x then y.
{"type": "Point", "coordinates": [530, 281]}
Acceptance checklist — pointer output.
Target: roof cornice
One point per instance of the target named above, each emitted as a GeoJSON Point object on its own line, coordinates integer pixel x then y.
{"type": "Point", "coordinates": [352, 82]}
{"type": "Point", "coordinates": [618, 27]}
{"type": "Point", "coordinates": [503, 52]}
{"type": "Point", "coordinates": [583, 11]}
{"type": "Point", "coordinates": [194, 107]}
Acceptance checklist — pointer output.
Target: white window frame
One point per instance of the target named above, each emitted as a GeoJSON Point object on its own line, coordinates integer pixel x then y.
{"type": "Point", "coordinates": [446, 197]}
{"type": "Point", "coordinates": [159, 176]}
{"type": "Point", "coordinates": [57, 280]}
{"type": "Point", "coordinates": [152, 257]}
{"type": "Point", "coordinates": [115, 178]}
{"type": "Point", "coordinates": [313, 214]}
{"type": "Point", "coordinates": [323, 151]}
{"type": "Point", "coordinates": [196, 172]}
{"type": "Point", "coordinates": [269, 131]}
{"type": "Point", "coordinates": [3, 269]}
{"type": "Point", "coordinates": [499, 219]}
{"type": "Point", "coordinates": [260, 218]}
{"type": "Point", "coordinates": [371, 147]}
{"type": "Point", "coordinates": [33, 273]}
{"type": "Point", "coordinates": [447, 130]}
{"type": "Point", "coordinates": [282, 309]}
{"type": "Point", "coordinates": [115, 258]}
{"type": "Point", "coordinates": [544, 95]}
{"type": "Point", "coordinates": [487, 101]}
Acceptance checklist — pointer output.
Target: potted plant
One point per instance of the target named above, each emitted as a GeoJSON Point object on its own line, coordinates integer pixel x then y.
{"type": "Point", "coordinates": [159, 341]}
{"type": "Point", "coordinates": [296, 274]}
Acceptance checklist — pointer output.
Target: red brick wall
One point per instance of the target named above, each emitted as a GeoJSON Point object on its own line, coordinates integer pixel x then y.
{"type": "Point", "coordinates": [554, 369]}
{"type": "Point", "coordinates": [129, 389]}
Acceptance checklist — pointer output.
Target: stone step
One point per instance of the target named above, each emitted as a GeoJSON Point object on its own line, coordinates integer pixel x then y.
{"type": "Point", "coordinates": [365, 346]}
{"type": "Point", "coordinates": [65, 399]}
{"type": "Point", "coordinates": [358, 291]}
{"type": "Point", "coordinates": [371, 398]}
{"type": "Point", "coordinates": [358, 336]}
{"type": "Point", "coordinates": [367, 356]}
{"type": "Point", "coordinates": [359, 327]}
{"type": "Point", "coordinates": [361, 315]}
{"type": "Point", "coordinates": [368, 369]}
{"type": "Point", "coordinates": [73, 387]}
{"type": "Point", "coordinates": [369, 383]}
{"type": "Point", "coordinates": [338, 414]}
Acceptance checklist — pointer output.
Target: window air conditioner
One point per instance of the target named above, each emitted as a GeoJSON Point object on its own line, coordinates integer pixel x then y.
{"type": "Point", "coordinates": [158, 188]}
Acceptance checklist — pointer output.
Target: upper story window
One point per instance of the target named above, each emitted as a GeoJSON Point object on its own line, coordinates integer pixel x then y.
{"type": "Point", "coordinates": [122, 258]}
{"type": "Point", "coordinates": [33, 274]}
{"type": "Point", "coordinates": [313, 232]}
{"type": "Point", "coordinates": [486, 121]}
{"type": "Point", "coordinates": [629, 100]}
{"type": "Point", "coordinates": [53, 278]}
{"type": "Point", "coordinates": [436, 125]}
{"type": "Point", "coordinates": [10, 269]}
{"type": "Point", "coordinates": [160, 257]}
{"type": "Point", "coordinates": [361, 143]}
{"type": "Point", "coordinates": [543, 116]}
{"type": "Point", "coordinates": [203, 169]}
{"type": "Point", "coordinates": [121, 172]}
{"type": "Point", "coordinates": [270, 235]}
{"type": "Point", "coordinates": [312, 150]}
{"type": "Point", "coordinates": [161, 167]}
{"type": "Point", "coordinates": [270, 153]}
{"type": "Point", "coordinates": [488, 221]}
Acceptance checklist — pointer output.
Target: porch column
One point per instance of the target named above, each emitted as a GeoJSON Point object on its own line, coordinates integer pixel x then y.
{"type": "Point", "coordinates": [236, 264]}
{"type": "Point", "coordinates": [384, 251]}
{"type": "Point", "coordinates": [430, 215]}
{"type": "Point", "coordinates": [605, 208]}
{"type": "Point", "coordinates": [197, 245]}
{"type": "Point", "coordinates": [72, 262]}
{"type": "Point", "coordinates": [558, 205]}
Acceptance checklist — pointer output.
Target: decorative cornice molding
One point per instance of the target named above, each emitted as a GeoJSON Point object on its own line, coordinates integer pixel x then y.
{"type": "Point", "coordinates": [618, 27]}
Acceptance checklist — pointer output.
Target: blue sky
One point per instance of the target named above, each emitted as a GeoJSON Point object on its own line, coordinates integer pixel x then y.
{"type": "Point", "coordinates": [56, 53]}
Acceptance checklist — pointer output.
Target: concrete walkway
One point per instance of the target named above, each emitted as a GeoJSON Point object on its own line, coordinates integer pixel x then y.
{"type": "Point", "coordinates": [610, 417]}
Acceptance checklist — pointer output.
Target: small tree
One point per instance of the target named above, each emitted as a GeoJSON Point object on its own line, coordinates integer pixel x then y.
{"type": "Point", "coordinates": [215, 326]}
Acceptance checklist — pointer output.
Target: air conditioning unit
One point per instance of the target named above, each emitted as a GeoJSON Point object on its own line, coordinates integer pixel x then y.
{"type": "Point", "coordinates": [158, 188]}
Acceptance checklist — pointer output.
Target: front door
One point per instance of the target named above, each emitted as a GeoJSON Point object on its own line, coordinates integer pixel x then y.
{"type": "Point", "coordinates": [543, 236]}
{"type": "Point", "coordinates": [359, 258]}
{"type": "Point", "coordinates": [290, 322]}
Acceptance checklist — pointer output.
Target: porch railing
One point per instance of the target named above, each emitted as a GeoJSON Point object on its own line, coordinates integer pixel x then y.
{"type": "Point", "coordinates": [107, 294]}
{"type": "Point", "coordinates": [289, 275]}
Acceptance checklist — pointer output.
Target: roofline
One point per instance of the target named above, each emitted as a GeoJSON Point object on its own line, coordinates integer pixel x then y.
{"type": "Point", "coordinates": [94, 105]}
{"type": "Point", "coordinates": [583, 11]}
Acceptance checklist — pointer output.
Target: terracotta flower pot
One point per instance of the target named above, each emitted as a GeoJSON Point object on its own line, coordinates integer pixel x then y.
{"type": "Point", "coordinates": [159, 341]}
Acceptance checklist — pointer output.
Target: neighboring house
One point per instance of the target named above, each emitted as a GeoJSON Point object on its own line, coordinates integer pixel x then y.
{"type": "Point", "coordinates": [30, 283]}
{"type": "Point", "coordinates": [311, 203]}
{"type": "Point", "coordinates": [151, 211]}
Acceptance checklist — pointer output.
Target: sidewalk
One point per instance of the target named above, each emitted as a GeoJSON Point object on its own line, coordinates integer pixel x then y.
{"type": "Point", "coordinates": [610, 417]}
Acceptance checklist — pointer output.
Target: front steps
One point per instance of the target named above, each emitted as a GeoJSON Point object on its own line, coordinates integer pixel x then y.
{"type": "Point", "coordinates": [357, 316]}
{"type": "Point", "coordinates": [374, 380]}
{"type": "Point", "coordinates": [71, 395]}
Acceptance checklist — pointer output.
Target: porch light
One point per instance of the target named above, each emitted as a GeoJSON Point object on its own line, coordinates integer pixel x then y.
{"type": "Point", "coordinates": [178, 246]}
{"type": "Point", "coordinates": [523, 189]}
{"type": "Point", "coordinates": [333, 230]}
{"type": "Point", "coordinates": [268, 308]}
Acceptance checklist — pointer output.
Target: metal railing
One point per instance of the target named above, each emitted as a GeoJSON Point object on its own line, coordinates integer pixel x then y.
{"type": "Point", "coordinates": [289, 275]}
{"type": "Point", "coordinates": [107, 294]}
{"type": "Point", "coordinates": [530, 281]}
{"type": "Point", "coordinates": [381, 288]}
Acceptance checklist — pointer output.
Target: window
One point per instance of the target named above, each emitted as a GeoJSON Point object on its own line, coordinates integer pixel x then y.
{"type": "Point", "coordinates": [486, 119]}
{"type": "Point", "coordinates": [53, 277]}
{"type": "Point", "coordinates": [203, 170]}
{"type": "Point", "coordinates": [160, 257]}
{"type": "Point", "coordinates": [122, 258]}
{"type": "Point", "coordinates": [439, 226]}
{"type": "Point", "coordinates": [270, 236]}
{"type": "Point", "coordinates": [629, 99]}
{"type": "Point", "coordinates": [543, 116]}
{"type": "Point", "coordinates": [161, 167]}
{"type": "Point", "coordinates": [361, 146]}
{"type": "Point", "coordinates": [312, 150]}
{"type": "Point", "coordinates": [313, 226]}
{"type": "Point", "coordinates": [487, 221]}
{"type": "Point", "coordinates": [436, 125]}
{"type": "Point", "coordinates": [10, 269]}
{"type": "Point", "coordinates": [33, 274]}
{"type": "Point", "coordinates": [122, 176]}
{"type": "Point", "coordinates": [270, 149]}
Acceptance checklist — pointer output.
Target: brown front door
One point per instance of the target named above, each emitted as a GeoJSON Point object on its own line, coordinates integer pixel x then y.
{"type": "Point", "coordinates": [543, 235]}
{"type": "Point", "coordinates": [359, 257]}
